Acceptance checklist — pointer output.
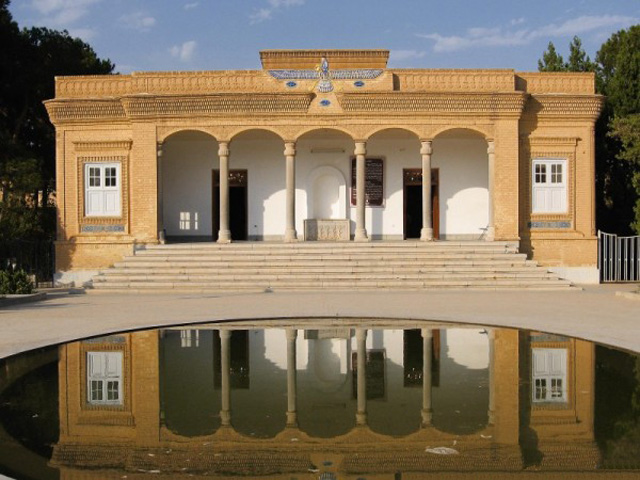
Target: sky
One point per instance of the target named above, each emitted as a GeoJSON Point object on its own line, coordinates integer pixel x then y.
{"type": "Point", "coordinates": [161, 35]}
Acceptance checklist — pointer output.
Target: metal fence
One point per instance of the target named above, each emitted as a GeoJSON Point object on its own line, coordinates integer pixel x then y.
{"type": "Point", "coordinates": [36, 257]}
{"type": "Point", "coordinates": [618, 258]}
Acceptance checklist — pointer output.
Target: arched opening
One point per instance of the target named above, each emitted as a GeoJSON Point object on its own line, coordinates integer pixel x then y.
{"type": "Point", "coordinates": [322, 167]}
{"type": "Point", "coordinates": [461, 399]}
{"type": "Point", "coordinates": [185, 187]}
{"type": "Point", "coordinates": [257, 192]}
{"type": "Point", "coordinates": [400, 214]}
{"type": "Point", "coordinates": [460, 156]}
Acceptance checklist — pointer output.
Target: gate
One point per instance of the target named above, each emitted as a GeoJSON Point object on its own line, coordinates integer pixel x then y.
{"type": "Point", "coordinates": [618, 258]}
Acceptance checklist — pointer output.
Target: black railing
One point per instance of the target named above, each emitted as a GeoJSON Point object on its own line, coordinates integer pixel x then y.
{"type": "Point", "coordinates": [35, 257]}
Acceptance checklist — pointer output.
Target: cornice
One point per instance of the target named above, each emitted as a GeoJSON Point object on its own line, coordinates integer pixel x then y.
{"type": "Point", "coordinates": [552, 141]}
{"type": "Point", "coordinates": [446, 103]}
{"type": "Point", "coordinates": [61, 111]}
{"type": "Point", "coordinates": [229, 104]}
{"type": "Point", "coordinates": [102, 146]}
{"type": "Point", "coordinates": [565, 106]}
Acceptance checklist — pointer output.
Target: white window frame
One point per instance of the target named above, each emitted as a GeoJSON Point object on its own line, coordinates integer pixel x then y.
{"type": "Point", "coordinates": [549, 192]}
{"type": "Point", "coordinates": [549, 375]}
{"type": "Point", "coordinates": [104, 378]}
{"type": "Point", "coordinates": [98, 196]}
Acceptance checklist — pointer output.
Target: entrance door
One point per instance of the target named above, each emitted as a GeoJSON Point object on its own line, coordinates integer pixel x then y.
{"type": "Point", "coordinates": [238, 209]}
{"type": "Point", "coordinates": [412, 188]}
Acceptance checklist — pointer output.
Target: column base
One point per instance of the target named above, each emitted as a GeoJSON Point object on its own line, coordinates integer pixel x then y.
{"type": "Point", "coordinates": [225, 417]}
{"type": "Point", "coordinates": [427, 417]}
{"type": "Point", "coordinates": [361, 235]}
{"type": "Point", "coordinates": [490, 234]}
{"type": "Point", "coordinates": [426, 234]}
{"type": "Point", "coordinates": [224, 236]}
{"type": "Point", "coordinates": [292, 419]}
{"type": "Point", "coordinates": [290, 236]}
{"type": "Point", "coordinates": [361, 418]}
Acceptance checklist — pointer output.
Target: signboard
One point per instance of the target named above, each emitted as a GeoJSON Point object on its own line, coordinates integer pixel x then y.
{"type": "Point", "coordinates": [373, 182]}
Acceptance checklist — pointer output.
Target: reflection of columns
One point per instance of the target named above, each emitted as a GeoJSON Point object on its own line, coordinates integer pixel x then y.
{"type": "Point", "coordinates": [160, 190]}
{"type": "Point", "coordinates": [292, 411]}
{"type": "Point", "coordinates": [492, 399]}
{"type": "Point", "coordinates": [427, 223]}
{"type": "Point", "coordinates": [361, 231]}
{"type": "Point", "coordinates": [427, 345]}
{"type": "Point", "coordinates": [290, 234]}
{"type": "Point", "coordinates": [225, 412]}
{"type": "Point", "coordinates": [361, 413]}
{"type": "Point", "coordinates": [224, 234]}
{"type": "Point", "coordinates": [491, 153]}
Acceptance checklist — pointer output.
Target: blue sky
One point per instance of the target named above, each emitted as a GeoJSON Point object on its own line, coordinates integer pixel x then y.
{"type": "Point", "coordinates": [228, 34]}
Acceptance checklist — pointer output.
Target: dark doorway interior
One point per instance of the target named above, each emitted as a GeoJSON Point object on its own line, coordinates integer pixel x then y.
{"type": "Point", "coordinates": [238, 208]}
{"type": "Point", "coordinates": [412, 187]}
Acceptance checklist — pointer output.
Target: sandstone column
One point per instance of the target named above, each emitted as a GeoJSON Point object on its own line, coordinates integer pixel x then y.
{"type": "Point", "coordinates": [224, 234]}
{"type": "Point", "coordinates": [292, 411]}
{"type": "Point", "coordinates": [491, 154]}
{"type": "Point", "coordinates": [361, 412]}
{"type": "Point", "coordinates": [161, 233]}
{"type": "Point", "coordinates": [426, 233]}
{"type": "Point", "coordinates": [225, 412]}
{"type": "Point", "coordinates": [290, 234]}
{"type": "Point", "coordinates": [361, 231]}
{"type": "Point", "coordinates": [427, 345]}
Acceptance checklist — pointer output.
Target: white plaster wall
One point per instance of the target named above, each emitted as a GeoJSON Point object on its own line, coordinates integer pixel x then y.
{"type": "Point", "coordinates": [187, 163]}
{"type": "Point", "coordinates": [464, 184]}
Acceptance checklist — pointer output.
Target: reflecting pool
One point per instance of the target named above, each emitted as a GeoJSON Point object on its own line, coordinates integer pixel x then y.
{"type": "Point", "coordinates": [333, 399]}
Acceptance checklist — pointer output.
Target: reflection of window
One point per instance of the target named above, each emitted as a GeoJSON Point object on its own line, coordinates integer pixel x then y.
{"type": "Point", "coordinates": [549, 375]}
{"type": "Point", "coordinates": [104, 378]}
{"type": "Point", "coordinates": [102, 190]}
{"type": "Point", "coordinates": [549, 186]}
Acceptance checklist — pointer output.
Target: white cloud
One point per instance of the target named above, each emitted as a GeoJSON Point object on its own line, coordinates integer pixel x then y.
{"type": "Point", "coordinates": [501, 37]}
{"type": "Point", "coordinates": [185, 51]}
{"type": "Point", "coordinates": [517, 21]}
{"type": "Point", "coordinates": [138, 21]}
{"type": "Point", "coordinates": [62, 13]}
{"type": "Point", "coordinates": [85, 34]}
{"type": "Point", "coordinates": [401, 55]}
{"type": "Point", "coordinates": [191, 6]}
{"type": "Point", "coordinates": [266, 13]}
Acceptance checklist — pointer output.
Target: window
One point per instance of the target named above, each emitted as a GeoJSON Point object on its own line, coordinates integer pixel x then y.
{"type": "Point", "coordinates": [549, 375]}
{"type": "Point", "coordinates": [104, 378]}
{"type": "Point", "coordinates": [549, 186]}
{"type": "Point", "coordinates": [102, 190]}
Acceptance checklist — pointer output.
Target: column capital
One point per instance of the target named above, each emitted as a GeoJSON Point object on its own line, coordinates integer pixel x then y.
{"type": "Point", "coordinates": [225, 333]}
{"type": "Point", "coordinates": [289, 149]}
{"type": "Point", "coordinates": [159, 148]}
{"type": "Point", "coordinates": [292, 333]}
{"type": "Point", "coordinates": [427, 333]}
{"type": "Point", "coordinates": [361, 334]}
{"type": "Point", "coordinates": [361, 148]}
{"type": "Point", "coordinates": [425, 147]}
{"type": "Point", "coordinates": [491, 147]}
{"type": "Point", "coordinates": [223, 149]}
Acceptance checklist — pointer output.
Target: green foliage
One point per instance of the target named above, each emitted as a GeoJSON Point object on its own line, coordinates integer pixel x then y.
{"type": "Point", "coordinates": [617, 68]}
{"type": "Point", "coordinates": [29, 61]}
{"type": "Point", "coordinates": [551, 60]}
{"type": "Point", "coordinates": [15, 281]}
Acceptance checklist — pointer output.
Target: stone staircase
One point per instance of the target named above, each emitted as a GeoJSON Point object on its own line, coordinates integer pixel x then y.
{"type": "Point", "coordinates": [247, 266]}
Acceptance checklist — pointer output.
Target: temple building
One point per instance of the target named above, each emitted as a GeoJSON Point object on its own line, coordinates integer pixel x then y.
{"type": "Point", "coordinates": [326, 145]}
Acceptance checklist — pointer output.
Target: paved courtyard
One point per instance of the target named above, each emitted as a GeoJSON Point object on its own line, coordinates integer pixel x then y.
{"type": "Point", "coordinates": [596, 313]}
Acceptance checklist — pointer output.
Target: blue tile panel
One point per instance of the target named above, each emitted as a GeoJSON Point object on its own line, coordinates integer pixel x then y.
{"type": "Point", "coordinates": [549, 224]}
{"type": "Point", "coordinates": [102, 228]}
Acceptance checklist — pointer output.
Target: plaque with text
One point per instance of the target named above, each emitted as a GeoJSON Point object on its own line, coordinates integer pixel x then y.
{"type": "Point", "coordinates": [373, 182]}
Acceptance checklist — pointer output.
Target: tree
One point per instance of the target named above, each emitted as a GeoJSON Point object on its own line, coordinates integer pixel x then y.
{"type": "Point", "coordinates": [29, 61]}
{"type": "Point", "coordinates": [579, 61]}
{"type": "Point", "coordinates": [551, 61]}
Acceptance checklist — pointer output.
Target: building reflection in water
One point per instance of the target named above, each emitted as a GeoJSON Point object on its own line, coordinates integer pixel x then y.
{"type": "Point", "coordinates": [354, 400]}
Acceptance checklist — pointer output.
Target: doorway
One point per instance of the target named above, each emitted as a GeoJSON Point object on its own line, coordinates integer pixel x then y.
{"type": "Point", "coordinates": [238, 208]}
{"type": "Point", "coordinates": [412, 193]}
